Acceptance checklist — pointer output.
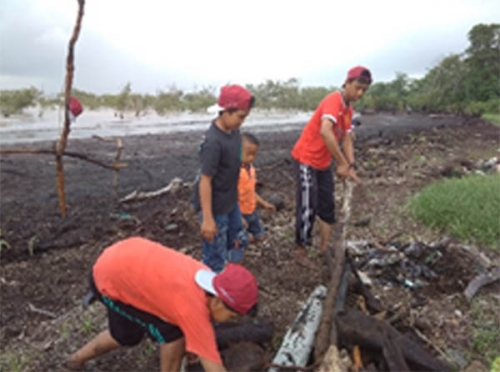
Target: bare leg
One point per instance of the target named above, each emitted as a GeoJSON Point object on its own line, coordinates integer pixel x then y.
{"type": "Point", "coordinates": [99, 345]}
{"type": "Point", "coordinates": [325, 230]}
{"type": "Point", "coordinates": [171, 355]}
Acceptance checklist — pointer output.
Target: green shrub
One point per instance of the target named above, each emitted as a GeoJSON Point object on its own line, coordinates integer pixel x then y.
{"type": "Point", "coordinates": [468, 208]}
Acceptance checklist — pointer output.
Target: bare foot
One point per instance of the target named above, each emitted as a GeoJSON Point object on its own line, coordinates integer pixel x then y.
{"type": "Point", "coordinates": [302, 259]}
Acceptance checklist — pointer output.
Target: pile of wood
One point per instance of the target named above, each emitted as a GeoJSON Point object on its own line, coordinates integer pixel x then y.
{"type": "Point", "coordinates": [354, 332]}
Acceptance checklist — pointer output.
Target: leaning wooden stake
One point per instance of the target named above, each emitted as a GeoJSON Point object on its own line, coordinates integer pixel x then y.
{"type": "Point", "coordinates": [326, 334]}
{"type": "Point", "coordinates": [61, 146]}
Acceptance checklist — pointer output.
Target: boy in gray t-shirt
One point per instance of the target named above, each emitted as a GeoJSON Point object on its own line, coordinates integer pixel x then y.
{"type": "Point", "coordinates": [216, 190]}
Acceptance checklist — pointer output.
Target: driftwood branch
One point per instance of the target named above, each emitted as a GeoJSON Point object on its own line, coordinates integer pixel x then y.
{"type": "Point", "coordinates": [325, 333]}
{"type": "Point", "coordinates": [480, 281]}
{"type": "Point", "coordinates": [70, 154]}
{"type": "Point", "coordinates": [174, 185]}
{"type": "Point", "coordinates": [61, 147]}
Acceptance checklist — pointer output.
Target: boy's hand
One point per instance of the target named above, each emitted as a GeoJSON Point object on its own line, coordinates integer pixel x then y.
{"type": "Point", "coordinates": [353, 176]}
{"type": "Point", "coordinates": [270, 207]}
{"type": "Point", "coordinates": [346, 171]}
{"type": "Point", "coordinates": [343, 171]}
{"type": "Point", "coordinates": [208, 229]}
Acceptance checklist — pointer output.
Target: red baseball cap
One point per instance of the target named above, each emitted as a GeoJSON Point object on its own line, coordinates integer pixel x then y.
{"type": "Point", "coordinates": [235, 286]}
{"type": "Point", "coordinates": [233, 97]}
{"type": "Point", "coordinates": [360, 73]}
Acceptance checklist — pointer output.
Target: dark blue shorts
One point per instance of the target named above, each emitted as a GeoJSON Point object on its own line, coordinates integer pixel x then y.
{"type": "Point", "coordinates": [128, 325]}
{"type": "Point", "coordinates": [254, 226]}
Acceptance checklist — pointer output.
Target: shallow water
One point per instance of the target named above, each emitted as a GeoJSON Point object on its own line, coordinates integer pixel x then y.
{"type": "Point", "coordinates": [31, 128]}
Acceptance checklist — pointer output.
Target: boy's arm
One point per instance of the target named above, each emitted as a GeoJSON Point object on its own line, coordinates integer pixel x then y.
{"type": "Point", "coordinates": [208, 226]}
{"type": "Point", "coordinates": [264, 203]}
{"type": "Point", "coordinates": [332, 146]}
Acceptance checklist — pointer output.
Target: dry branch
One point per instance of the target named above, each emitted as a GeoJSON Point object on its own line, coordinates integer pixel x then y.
{"type": "Point", "coordinates": [174, 185]}
{"type": "Point", "coordinates": [70, 154]}
{"type": "Point", "coordinates": [480, 281]}
{"type": "Point", "coordinates": [61, 147]}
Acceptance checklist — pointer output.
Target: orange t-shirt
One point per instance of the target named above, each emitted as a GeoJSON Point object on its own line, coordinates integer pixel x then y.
{"type": "Point", "coordinates": [246, 190]}
{"type": "Point", "coordinates": [159, 281]}
{"type": "Point", "coordinates": [310, 148]}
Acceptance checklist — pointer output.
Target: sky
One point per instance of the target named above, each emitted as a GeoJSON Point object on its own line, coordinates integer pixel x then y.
{"type": "Point", "coordinates": [191, 44]}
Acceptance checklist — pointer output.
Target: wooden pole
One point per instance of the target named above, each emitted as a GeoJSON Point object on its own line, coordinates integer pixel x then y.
{"type": "Point", "coordinates": [61, 146]}
{"type": "Point", "coordinates": [337, 251]}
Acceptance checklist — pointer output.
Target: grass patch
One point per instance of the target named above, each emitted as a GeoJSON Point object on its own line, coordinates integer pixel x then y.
{"type": "Point", "coordinates": [468, 208]}
{"type": "Point", "coordinates": [486, 335]}
{"type": "Point", "coordinates": [492, 117]}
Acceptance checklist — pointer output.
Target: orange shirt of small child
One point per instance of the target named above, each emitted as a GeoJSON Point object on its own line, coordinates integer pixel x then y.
{"type": "Point", "coordinates": [248, 178]}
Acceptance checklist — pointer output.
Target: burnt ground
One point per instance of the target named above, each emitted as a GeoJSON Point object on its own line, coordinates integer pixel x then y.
{"type": "Point", "coordinates": [43, 273]}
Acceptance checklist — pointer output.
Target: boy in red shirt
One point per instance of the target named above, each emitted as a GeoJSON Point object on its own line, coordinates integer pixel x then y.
{"type": "Point", "coordinates": [149, 289]}
{"type": "Point", "coordinates": [247, 196]}
{"type": "Point", "coordinates": [317, 145]}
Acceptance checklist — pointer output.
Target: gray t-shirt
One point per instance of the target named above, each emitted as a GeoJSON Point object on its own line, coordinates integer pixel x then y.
{"type": "Point", "coordinates": [220, 157]}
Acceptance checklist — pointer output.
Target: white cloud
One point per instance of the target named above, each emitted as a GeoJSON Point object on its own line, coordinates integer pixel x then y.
{"type": "Point", "coordinates": [155, 43]}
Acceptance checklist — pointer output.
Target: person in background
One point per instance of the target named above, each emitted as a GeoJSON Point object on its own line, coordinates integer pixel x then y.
{"type": "Point", "coordinates": [318, 143]}
{"type": "Point", "coordinates": [75, 109]}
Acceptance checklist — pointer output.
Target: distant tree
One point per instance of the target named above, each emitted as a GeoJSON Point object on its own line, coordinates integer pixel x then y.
{"type": "Point", "coordinates": [123, 99]}
{"type": "Point", "coordinates": [168, 101]}
{"type": "Point", "coordinates": [483, 61]}
{"type": "Point", "coordinates": [14, 101]}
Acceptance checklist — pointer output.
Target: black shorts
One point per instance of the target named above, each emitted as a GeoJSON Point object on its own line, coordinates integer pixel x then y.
{"type": "Point", "coordinates": [128, 325]}
{"type": "Point", "coordinates": [314, 196]}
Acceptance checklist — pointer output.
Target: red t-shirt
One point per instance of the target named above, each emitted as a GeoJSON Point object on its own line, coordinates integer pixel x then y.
{"type": "Point", "coordinates": [159, 281]}
{"type": "Point", "coordinates": [310, 148]}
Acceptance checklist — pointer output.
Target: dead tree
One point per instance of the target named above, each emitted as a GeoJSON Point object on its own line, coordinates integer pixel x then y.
{"type": "Point", "coordinates": [61, 146]}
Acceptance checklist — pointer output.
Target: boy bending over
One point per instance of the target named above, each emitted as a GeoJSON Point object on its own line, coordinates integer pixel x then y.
{"type": "Point", "coordinates": [152, 290]}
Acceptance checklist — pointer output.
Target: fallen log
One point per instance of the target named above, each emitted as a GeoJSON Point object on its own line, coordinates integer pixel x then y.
{"type": "Point", "coordinates": [356, 328]}
{"type": "Point", "coordinates": [298, 341]}
{"type": "Point", "coordinates": [257, 330]}
{"type": "Point", "coordinates": [392, 352]}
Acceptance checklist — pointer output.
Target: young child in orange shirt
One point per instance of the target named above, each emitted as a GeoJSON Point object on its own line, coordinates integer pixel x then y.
{"type": "Point", "coordinates": [247, 196]}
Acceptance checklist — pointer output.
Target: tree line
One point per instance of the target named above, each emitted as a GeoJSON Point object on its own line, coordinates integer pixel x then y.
{"type": "Point", "coordinates": [464, 83]}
